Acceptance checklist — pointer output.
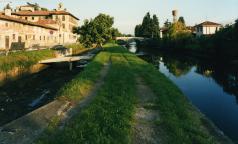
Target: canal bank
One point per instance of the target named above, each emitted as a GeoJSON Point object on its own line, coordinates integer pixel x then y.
{"type": "Point", "coordinates": [26, 85]}
{"type": "Point", "coordinates": [109, 118]}
{"type": "Point", "coordinates": [210, 84]}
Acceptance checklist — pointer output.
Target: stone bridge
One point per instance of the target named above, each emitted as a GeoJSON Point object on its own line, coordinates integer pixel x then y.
{"type": "Point", "coordinates": [129, 39]}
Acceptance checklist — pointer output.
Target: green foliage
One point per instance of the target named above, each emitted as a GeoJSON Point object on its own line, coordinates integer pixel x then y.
{"type": "Point", "coordinates": [167, 24]}
{"type": "Point", "coordinates": [149, 27]}
{"type": "Point", "coordinates": [181, 20]}
{"type": "Point", "coordinates": [97, 31]}
{"type": "Point", "coordinates": [77, 48]}
{"type": "Point", "coordinates": [23, 59]}
{"type": "Point", "coordinates": [115, 33]}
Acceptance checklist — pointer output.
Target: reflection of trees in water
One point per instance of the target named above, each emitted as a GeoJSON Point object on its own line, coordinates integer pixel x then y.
{"type": "Point", "coordinates": [177, 67]}
{"type": "Point", "coordinates": [222, 73]}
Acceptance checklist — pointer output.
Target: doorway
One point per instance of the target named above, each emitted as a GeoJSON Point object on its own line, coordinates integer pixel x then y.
{"type": "Point", "coordinates": [7, 42]}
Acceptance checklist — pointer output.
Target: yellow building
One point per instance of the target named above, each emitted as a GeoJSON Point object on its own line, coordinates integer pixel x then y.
{"type": "Point", "coordinates": [32, 26]}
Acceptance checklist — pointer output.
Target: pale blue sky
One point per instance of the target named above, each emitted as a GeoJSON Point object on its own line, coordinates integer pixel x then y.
{"type": "Point", "coordinates": [128, 13]}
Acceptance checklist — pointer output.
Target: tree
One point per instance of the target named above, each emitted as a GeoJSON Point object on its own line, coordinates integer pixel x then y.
{"type": "Point", "coordinates": [149, 27]}
{"type": "Point", "coordinates": [167, 24]}
{"type": "Point", "coordinates": [103, 24]}
{"type": "Point", "coordinates": [155, 26]}
{"type": "Point", "coordinates": [115, 33]}
{"type": "Point", "coordinates": [87, 33]}
{"type": "Point", "coordinates": [138, 30]}
{"type": "Point", "coordinates": [181, 20]}
{"type": "Point", "coordinates": [97, 31]}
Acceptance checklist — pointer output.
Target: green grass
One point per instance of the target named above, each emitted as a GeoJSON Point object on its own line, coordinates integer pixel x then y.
{"type": "Point", "coordinates": [77, 48]}
{"type": "Point", "coordinates": [86, 79]}
{"type": "Point", "coordinates": [179, 119]}
{"type": "Point", "coordinates": [108, 118]}
{"type": "Point", "coordinates": [23, 59]}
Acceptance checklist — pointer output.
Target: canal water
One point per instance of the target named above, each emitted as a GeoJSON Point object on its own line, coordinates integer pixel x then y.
{"type": "Point", "coordinates": [30, 92]}
{"type": "Point", "coordinates": [210, 85]}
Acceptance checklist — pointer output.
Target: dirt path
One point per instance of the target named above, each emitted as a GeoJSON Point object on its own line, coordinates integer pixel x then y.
{"type": "Point", "coordinates": [145, 130]}
{"type": "Point", "coordinates": [87, 100]}
{"type": "Point", "coordinates": [27, 128]}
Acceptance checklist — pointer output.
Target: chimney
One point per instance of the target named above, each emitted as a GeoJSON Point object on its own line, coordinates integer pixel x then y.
{"type": "Point", "coordinates": [175, 16]}
{"type": "Point", "coordinates": [8, 10]}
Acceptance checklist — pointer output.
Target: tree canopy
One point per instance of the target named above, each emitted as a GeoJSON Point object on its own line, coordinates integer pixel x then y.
{"type": "Point", "coordinates": [97, 31]}
{"type": "Point", "coordinates": [149, 27]}
{"type": "Point", "coordinates": [181, 20]}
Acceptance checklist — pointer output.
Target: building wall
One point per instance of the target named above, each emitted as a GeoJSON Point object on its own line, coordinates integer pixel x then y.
{"type": "Point", "coordinates": [30, 35]}
{"type": "Point", "coordinates": [206, 30]}
{"type": "Point", "coordinates": [65, 24]}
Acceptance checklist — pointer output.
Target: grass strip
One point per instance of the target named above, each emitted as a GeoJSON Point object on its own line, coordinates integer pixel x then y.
{"type": "Point", "coordinates": [23, 59]}
{"type": "Point", "coordinates": [77, 48]}
{"type": "Point", "coordinates": [85, 80]}
{"type": "Point", "coordinates": [180, 121]}
{"type": "Point", "coordinates": [108, 118]}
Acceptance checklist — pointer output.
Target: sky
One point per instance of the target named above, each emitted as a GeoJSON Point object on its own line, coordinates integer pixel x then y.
{"type": "Point", "coordinates": [128, 13]}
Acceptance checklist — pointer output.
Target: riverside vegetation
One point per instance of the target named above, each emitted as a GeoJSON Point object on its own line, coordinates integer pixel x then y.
{"type": "Point", "coordinates": [178, 38]}
{"type": "Point", "coordinates": [109, 117]}
{"type": "Point", "coordinates": [23, 59]}
{"type": "Point", "coordinates": [26, 59]}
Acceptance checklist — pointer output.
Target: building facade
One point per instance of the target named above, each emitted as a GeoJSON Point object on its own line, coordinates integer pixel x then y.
{"type": "Point", "coordinates": [32, 26]}
{"type": "Point", "coordinates": [207, 28]}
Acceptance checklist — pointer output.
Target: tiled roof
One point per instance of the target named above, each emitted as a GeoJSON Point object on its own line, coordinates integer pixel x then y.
{"type": "Point", "coordinates": [8, 18]}
{"type": "Point", "coordinates": [208, 23]}
{"type": "Point", "coordinates": [43, 13]}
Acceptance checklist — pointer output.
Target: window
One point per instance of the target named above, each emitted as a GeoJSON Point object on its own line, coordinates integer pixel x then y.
{"type": "Point", "coordinates": [25, 18]}
{"type": "Point", "coordinates": [34, 37]}
{"type": "Point", "coordinates": [14, 36]}
{"type": "Point", "coordinates": [19, 39]}
{"type": "Point", "coordinates": [6, 24]}
{"type": "Point", "coordinates": [63, 26]}
{"type": "Point", "coordinates": [63, 18]}
{"type": "Point", "coordinates": [40, 37]}
{"type": "Point", "coordinates": [201, 28]}
{"type": "Point", "coordinates": [44, 37]}
{"type": "Point", "coordinates": [26, 37]}
{"type": "Point", "coordinates": [33, 18]}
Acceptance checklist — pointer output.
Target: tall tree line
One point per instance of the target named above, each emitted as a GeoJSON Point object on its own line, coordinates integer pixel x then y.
{"type": "Point", "coordinates": [149, 27]}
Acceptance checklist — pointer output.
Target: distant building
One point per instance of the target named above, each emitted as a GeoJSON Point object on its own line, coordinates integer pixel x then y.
{"type": "Point", "coordinates": [207, 28]}
{"type": "Point", "coordinates": [30, 25]}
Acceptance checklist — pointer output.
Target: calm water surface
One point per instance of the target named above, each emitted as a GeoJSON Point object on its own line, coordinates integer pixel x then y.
{"type": "Point", "coordinates": [210, 85]}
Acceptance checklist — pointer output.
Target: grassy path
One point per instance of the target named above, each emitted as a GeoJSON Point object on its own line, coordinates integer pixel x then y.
{"type": "Point", "coordinates": [145, 130]}
{"type": "Point", "coordinates": [114, 115]}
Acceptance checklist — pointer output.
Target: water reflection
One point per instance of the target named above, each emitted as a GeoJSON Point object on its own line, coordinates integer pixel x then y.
{"type": "Point", "coordinates": [210, 84]}
{"type": "Point", "coordinates": [132, 47]}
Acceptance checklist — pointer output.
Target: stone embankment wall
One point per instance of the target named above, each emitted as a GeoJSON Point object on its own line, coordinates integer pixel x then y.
{"type": "Point", "coordinates": [18, 72]}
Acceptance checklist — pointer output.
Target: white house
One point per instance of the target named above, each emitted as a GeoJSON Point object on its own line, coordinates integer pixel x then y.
{"type": "Point", "coordinates": [207, 28]}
